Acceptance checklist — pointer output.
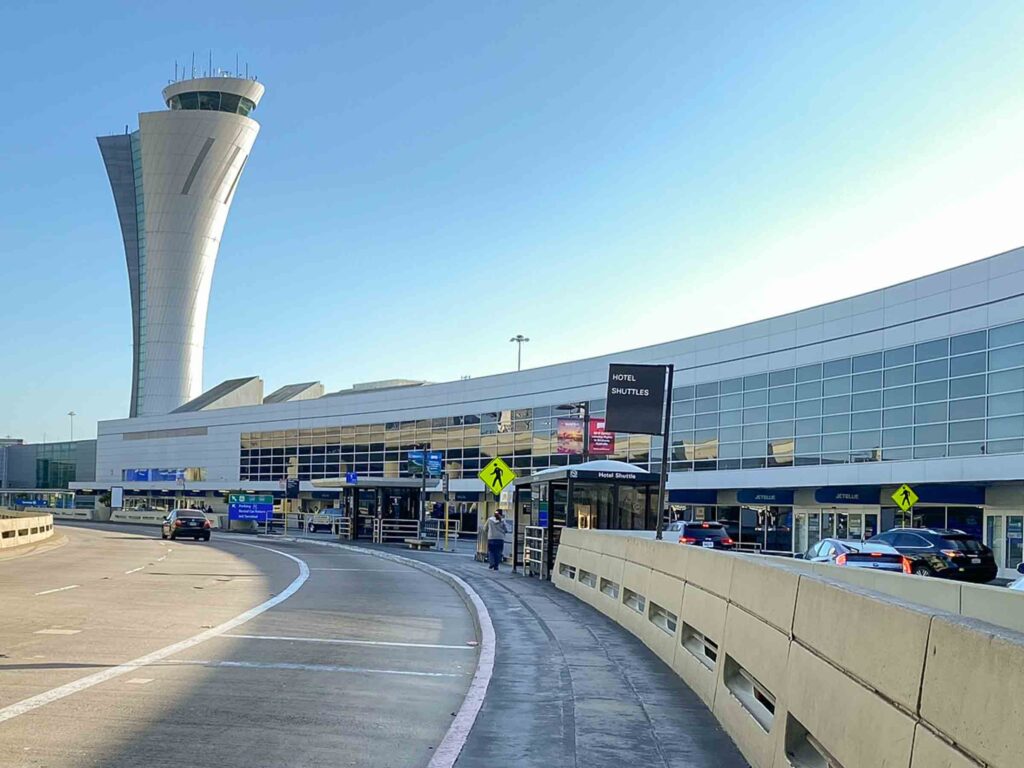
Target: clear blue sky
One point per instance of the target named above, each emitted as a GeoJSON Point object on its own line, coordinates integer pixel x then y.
{"type": "Point", "coordinates": [433, 178]}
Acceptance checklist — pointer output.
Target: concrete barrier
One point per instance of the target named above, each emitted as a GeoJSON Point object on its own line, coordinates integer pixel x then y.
{"type": "Point", "coordinates": [18, 528]}
{"type": "Point", "coordinates": [139, 517]}
{"type": "Point", "coordinates": [71, 514]}
{"type": "Point", "coordinates": [807, 665]}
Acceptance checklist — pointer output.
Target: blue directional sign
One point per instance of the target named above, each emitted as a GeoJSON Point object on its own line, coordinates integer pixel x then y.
{"type": "Point", "coordinates": [245, 506]}
{"type": "Point", "coordinates": [351, 478]}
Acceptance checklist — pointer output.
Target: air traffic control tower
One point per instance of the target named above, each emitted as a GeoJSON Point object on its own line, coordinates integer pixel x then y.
{"type": "Point", "coordinates": [173, 181]}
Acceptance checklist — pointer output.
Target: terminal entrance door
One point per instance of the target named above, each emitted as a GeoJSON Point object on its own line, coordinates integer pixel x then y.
{"type": "Point", "coordinates": [811, 526]}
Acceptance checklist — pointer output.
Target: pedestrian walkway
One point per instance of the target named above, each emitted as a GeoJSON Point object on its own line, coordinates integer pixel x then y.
{"type": "Point", "coordinates": [572, 688]}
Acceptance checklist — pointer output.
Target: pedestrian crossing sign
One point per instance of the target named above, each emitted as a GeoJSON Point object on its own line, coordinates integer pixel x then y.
{"type": "Point", "coordinates": [496, 475]}
{"type": "Point", "coordinates": [905, 497]}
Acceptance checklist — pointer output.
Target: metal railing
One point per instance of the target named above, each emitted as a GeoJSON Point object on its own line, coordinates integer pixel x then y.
{"type": "Point", "coordinates": [388, 531]}
{"type": "Point", "coordinates": [444, 533]}
{"type": "Point", "coordinates": [535, 548]}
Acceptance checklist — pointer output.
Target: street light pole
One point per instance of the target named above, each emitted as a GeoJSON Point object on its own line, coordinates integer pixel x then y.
{"type": "Point", "coordinates": [72, 414]}
{"type": "Point", "coordinates": [519, 339]}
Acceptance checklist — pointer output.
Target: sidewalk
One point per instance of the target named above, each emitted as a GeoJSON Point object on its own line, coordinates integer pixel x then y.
{"type": "Point", "coordinates": [572, 688]}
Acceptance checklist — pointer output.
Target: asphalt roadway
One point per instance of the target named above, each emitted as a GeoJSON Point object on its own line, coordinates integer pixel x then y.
{"type": "Point", "coordinates": [120, 649]}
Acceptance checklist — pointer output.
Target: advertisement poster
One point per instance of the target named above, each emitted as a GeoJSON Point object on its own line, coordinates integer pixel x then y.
{"type": "Point", "coordinates": [602, 442]}
{"type": "Point", "coordinates": [570, 436]}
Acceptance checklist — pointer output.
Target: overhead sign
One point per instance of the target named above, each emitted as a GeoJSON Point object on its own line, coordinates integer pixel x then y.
{"type": "Point", "coordinates": [247, 506]}
{"type": "Point", "coordinates": [636, 398]}
{"type": "Point", "coordinates": [496, 475]}
{"type": "Point", "coordinates": [602, 442]}
{"type": "Point", "coordinates": [905, 497]}
{"type": "Point", "coordinates": [351, 478]}
{"type": "Point", "coordinates": [435, 462]}
{"type": "Point", "coordinates": [292, 488]}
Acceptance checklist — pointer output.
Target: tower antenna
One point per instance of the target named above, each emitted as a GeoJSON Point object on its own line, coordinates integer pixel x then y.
{"type": "Point", "coordinates": [209, 72]}
{"type": "Point", "coordinates": [193, 63]}
{"type": "Point", "coordinates": [236, 65]}
{"type": "Point", "coordinates": [175, 70]}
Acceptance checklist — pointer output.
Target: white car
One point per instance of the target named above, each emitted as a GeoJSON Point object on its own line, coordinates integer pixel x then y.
{"type": "Point", "coordinates": [1018, 585]}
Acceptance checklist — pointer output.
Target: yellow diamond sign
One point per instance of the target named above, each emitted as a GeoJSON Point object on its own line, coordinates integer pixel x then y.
{"type": "Point", "coordinates": [905, 497]}
{"type": "Point", "coordinates": [496, 475]}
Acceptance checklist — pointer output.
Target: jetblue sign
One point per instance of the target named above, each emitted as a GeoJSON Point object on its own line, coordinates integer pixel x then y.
{"type": "Point", "coordinates": [636, 399]}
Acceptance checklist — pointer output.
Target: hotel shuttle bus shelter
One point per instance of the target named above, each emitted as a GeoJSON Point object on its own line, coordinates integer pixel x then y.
{"type": "Point", "coordinates": [595, 494]}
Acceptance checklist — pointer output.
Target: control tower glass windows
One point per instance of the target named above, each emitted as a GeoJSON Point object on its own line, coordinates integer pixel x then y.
{"type": "Point", "coordinates": [214, 101]}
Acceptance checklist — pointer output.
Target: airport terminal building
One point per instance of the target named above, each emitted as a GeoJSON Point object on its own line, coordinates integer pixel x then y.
{"type": "Point", "coordinates": [789, 429]}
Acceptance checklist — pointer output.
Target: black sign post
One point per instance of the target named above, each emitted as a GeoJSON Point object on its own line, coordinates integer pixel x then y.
{"type": "Point", "coordinates": [639, 400]}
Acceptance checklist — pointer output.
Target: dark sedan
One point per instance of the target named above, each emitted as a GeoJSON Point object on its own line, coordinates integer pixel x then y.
{"type": "Point", "coordinates": [186, 522]}
{"type": "Point", "coordinates": [707, 535]}
{"type": "Point", "coordinates": [943, 552]}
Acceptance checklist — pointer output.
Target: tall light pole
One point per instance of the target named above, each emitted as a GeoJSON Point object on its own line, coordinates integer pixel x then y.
{"type": "Point", "coordinates": [72, 414]}
{"type": "Point", "coordinates": [519, 339]}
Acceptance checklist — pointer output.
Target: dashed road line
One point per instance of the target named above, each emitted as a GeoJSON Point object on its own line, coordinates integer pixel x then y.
{"type": "Point", "coordinates": [295, 667]}
{"type": "Point", "coordinates": [58, 589]}
{"type": "Point", "coordinates": [344, 641]}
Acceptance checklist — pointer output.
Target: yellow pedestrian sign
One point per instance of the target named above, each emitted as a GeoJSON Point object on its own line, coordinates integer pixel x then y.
{"type": "Point", "coordinates": [496, 475]}
{"type": "Point", "coordinates": [905, 497]}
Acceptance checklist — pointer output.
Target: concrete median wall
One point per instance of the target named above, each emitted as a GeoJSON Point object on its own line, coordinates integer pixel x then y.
{"type": "Point", "coordinates": [18, 528]}
{"type": "Point", "coordinates": [810, 666]}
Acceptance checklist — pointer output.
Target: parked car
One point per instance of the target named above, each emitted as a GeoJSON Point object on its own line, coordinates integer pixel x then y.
{"type": "Point", "coordinates": [324, 519]}
{"type": "Point", "coordinates": [858, 554]}
{"type": "Point", "coordinates": [707, 535]}
{"type": "Point", "coordinates": [943, 552]}
{"type": "Point", "coordinates": [186, 522]}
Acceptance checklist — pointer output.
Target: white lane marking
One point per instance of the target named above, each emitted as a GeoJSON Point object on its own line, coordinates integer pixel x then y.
{"type": "Point", "coordinates": [161, 559]}
{"type": "Point", "coordinates": [134, 570]}
{"type": "Point", "coordinates": [294, 667]}
{"type": "Point", "coordinates": [56, 632]}
{"type": "Point", "coordinates": [139, 681]}
{"type": "Point", "coordinates": [455, 739]}
{"type": "Point", "coordinates": [55, 694]}
{"type": "Point", "coordinates": [58, 589]}
{"type": "Point", "coordinates": [335, 641]}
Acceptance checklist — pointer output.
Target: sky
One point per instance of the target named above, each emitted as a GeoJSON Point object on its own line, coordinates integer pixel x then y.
{"type": "Point", "coordinates": [431, 179]}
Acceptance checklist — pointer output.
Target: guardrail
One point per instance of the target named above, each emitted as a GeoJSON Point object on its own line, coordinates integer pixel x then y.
{"type": "Point", "coordinates": [386, 531]}
{"type": "Point", "coordinates": [805, 667]}
{"type": "Point", "coordinates": [535, 551]}
{"type": "Point", "coordinates": [18, 528]}
{"type": "Point", "coordinates": [443, 532]}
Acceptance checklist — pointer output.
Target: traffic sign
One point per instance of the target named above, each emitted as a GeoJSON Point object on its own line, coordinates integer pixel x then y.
{"type": "Point", "coordinates": [905, 497]}
{"type": "Point", "coordinates": [352, 478]}
{"type": "Point", "coordinates": [245, 506]}
{"type": "Point", "coordinates": [496, 475]}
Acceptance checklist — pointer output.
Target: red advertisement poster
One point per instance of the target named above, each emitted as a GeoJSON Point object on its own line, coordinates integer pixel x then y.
{"type": "Point", "coordinates": [602, 443]}
{"type": "Point", "coordinates": [570, 436]}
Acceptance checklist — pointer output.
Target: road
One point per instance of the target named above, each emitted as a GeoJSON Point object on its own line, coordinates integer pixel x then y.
{"type": "Point", "coordinates": [119, 649]}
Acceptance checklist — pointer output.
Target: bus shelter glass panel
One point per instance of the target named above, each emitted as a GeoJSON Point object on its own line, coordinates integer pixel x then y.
{"type": "Point", "coordinates": [593, 505]}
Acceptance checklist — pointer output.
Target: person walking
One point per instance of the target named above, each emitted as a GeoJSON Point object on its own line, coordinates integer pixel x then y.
{"type": "Point", "coordinates": [496, 530]}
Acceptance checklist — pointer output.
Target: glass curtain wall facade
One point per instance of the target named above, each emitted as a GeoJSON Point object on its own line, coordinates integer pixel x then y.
{"type": "Point", "coordinates": [954, 396]}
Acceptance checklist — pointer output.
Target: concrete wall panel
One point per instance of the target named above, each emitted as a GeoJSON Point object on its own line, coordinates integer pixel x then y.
{"type": "Point", "coordinates": [769, 593]}
{"type": "Point", "coordinates": [709, 570]}
{"type": "Point", "coordinates": [878, 641]}
{"type": "Point", "coordinates": [979, 708]}
{"type": "Point", "coordinates": [856, 726]}
{"type": "Point", "coordinates": [996, 605]}
{"type": "Point", "coordinates": [932, 752]}
{"type": "Point", "coordinates": [761, 651]}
